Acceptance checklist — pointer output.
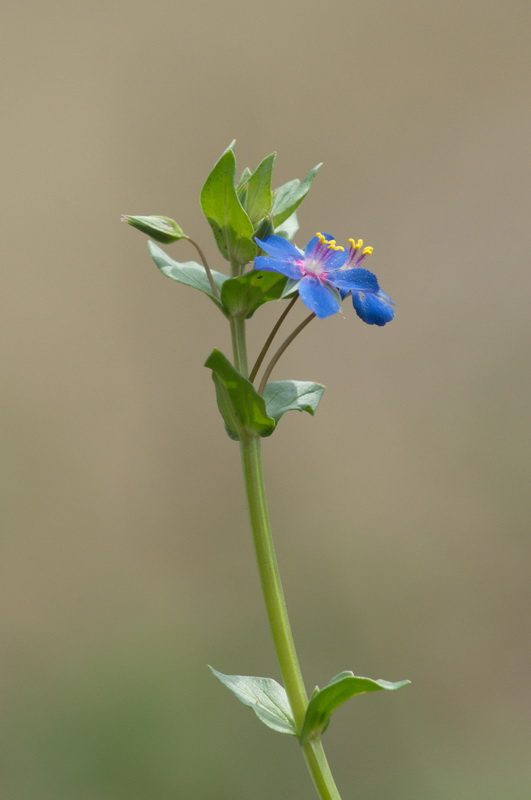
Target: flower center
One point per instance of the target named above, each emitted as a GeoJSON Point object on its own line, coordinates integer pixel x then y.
{"type": "Point", "coordinates": [314, 267]}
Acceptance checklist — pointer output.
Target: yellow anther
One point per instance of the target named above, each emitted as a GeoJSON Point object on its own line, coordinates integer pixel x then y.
{"type": "Point", "coordinates": [330, 243]}
{"type": "Point", "coordinates": [367, 251]}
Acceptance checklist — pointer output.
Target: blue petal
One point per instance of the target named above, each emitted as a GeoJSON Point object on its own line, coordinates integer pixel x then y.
{"type": "Point", "coordinates": [374, 308]}
{"type": "Point", "coordinates": [320, 298]}
{"type": "Point", "coordinates": [354, 279]}
{"type": "Point", "coordinates": [276, 265]}
{"type": "Point", "coordinates": [278, 247]}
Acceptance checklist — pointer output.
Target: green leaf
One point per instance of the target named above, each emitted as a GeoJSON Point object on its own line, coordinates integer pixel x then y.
{"type": "Point", "coordinates": [242, 296]}
{"type": "Point", "coordinates": [189, 273]}
{"type": "Point", "coordinates": [324, 702]}
{"type": "Point", "coordinates": [221, 206]}
{"type": "Point", "coordinates": [265, 696]}
{"type": "Point", "coordinates": [246, 174]}
{"type": "Point", "coordinates": [240, 405]}
{"type": "Point", "coordinates": [282, 396]}
{"type": "Point", "coordinates": [289, 227]}
{"type": "Point", "coordinates": [241, 188]}
{"type": "Point", "coordinates": [163, 229]}
{"type": "Point", "coordinates": [287, 198]}
{"type": "Point", "coordinates": [259, 193]}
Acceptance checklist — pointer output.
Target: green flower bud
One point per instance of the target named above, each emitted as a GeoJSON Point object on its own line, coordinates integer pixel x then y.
{"type": "Point", "coordinates": [162, 229]}
{"type": "Point", "coordinates": [264, 228]}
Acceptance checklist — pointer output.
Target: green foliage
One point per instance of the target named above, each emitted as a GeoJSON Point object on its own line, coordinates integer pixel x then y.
{"type": "Point", "coordinates": [340, 689]}
{"type": "Point", "coordinates": [232, 228]}
{"type": "Point", "coordinates": [240, 405]}
{"type": "Point", "coordinates": [242, 296]}
{"type": "Point", "coordinates": [265, 696]}
{"type": "Point", "coordinates": [162, 229]}
{"type": "Point", "coordinates": [239, 212]}
{"type": "Point", "coordinates": [189, 273]}
{"type": "Point", "coordinates": [282, 396]}
{"type": "Point", "coordinates": [288, 197]}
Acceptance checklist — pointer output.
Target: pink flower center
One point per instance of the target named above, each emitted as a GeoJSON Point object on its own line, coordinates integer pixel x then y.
{"type": "Point", "coordinates": [314, 268]}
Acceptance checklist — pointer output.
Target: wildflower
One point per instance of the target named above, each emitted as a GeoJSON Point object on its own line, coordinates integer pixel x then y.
{"type": "Point", "coordinates": [326, 273]}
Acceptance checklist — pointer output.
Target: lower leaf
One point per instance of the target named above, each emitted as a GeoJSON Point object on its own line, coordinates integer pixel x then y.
{"type": "Point", "coordinates": [265, 696]}
{"type": "Point", "coordinates": [324, 702]}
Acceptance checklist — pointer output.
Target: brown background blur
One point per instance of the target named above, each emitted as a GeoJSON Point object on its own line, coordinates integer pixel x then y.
{"type": "Point", "coordinates": [400, 510]}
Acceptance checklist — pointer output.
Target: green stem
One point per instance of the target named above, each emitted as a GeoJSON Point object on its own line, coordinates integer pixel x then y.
{"type": "Point", "coordinates": [251, 456]}
{"type": "Point", "coordinates": [239, 345]}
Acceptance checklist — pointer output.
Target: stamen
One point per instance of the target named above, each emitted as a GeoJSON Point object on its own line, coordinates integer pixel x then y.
{"type": "Point", "coordinates": [368, 251]}
{"type": "Point", "coordinates": [329, 243]}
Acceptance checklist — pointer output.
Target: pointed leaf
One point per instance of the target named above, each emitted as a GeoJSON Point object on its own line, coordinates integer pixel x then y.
{"type": "Point", "coordinates": [246, 174]}
{"type": "Point", "coordinates": [259, 192]}
{"type": "Point", "coordinates": [162, 229]}
{"type": "Point", "coordinates": [242, 296]}
{"type": "Point", "coordinates": [241, 188]}
{"type": "Point", "coordinates": [288, 197]}
{"type": "Point", "coordinates": [188, 272]}
{"type": "Point", "coordinates": [240, 405]}
{"type": "Point", "coordinates": [230, 224]}
{"type": "Point", "coordinates": [340, 689]}
{"type": "Point", "coordinates": [282, 396]}
{"type": "Point", "coordinates": [288, 228]}
{"type": "Point", "coordinates": [265, 696]}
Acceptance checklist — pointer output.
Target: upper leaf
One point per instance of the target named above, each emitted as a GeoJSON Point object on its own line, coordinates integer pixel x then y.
{"type": "Point", "coordinates": [240, 405]}
{"type": "Point", "coordinates": [287, 198]}
{"type": "Point", "coordinates": [265, 696]}
{"type": "Point", "coordinates": [242, 296]}
{"type": "Point", "coordinates": [340, 689]}
{"type": "Point", "coordinates": [282, 396]}
{"type": "Point", "coordinates": [232, 227]}
{"type": "Point", "coordinates": [189, 272]}
{"type": "Point", "coordinates": [259, 192]}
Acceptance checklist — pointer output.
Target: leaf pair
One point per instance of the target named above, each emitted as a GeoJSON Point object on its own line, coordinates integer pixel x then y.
{"type": "Point", "coordinates": [245, 411]}
{"type": "Point", "coordinates": [270, 703]}
{"type": "Point", "coordinates": [236, 297]}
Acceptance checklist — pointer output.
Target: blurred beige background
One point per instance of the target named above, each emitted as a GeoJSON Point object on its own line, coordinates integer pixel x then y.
{"type": "Point", "coordinates": [401, 510]}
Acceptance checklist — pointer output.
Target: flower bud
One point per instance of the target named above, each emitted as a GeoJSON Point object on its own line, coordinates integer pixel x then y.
{"type": "Point", "coordinates": [162, 229]}
{"type": "Point", "coordinates": [264, 228]}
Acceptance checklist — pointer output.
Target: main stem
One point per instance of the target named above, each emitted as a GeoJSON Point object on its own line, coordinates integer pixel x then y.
{"type": "Point", "coordinates": [250, 448]}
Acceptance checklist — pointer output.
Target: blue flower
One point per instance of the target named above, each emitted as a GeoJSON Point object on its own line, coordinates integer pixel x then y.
{"type": "Point", "coordinates": [373, 307]}
{"type": "Point", "coordinates": [326, 273]}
